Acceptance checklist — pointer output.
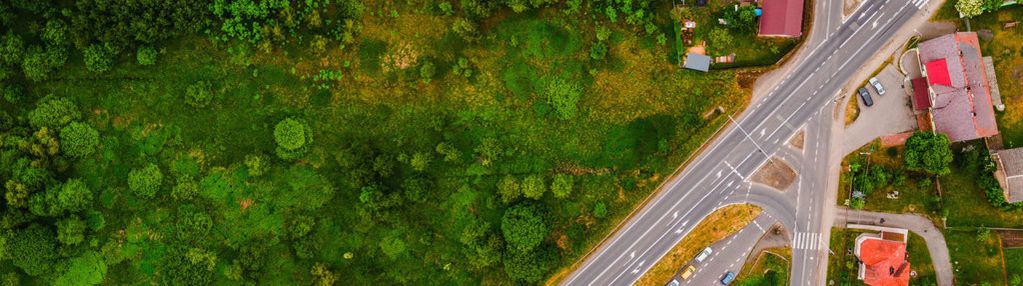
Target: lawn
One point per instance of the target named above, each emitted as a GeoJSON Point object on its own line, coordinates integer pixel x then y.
{"type": "Point", "coordinates": [916, 192]}
{"type": "Point", "coordinates": [770, 268]}
{"type": "Point", "coordinates": [718, 225]}
{"type": "Point", "coordinates": [975, 261]}
{"type": "Point", "coordinates": [842, 266]}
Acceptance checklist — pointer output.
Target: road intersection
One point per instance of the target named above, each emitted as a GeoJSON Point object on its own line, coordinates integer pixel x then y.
{"type": "Point", "coordinates": [801, 100]}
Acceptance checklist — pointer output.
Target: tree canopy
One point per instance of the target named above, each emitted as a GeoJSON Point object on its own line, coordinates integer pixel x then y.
{"type": "Point", "coordinates": [78, 139]}
{"type": "Point", "coordinates": [523, 227]}
{"type": "Point", "coordinates": [929, 152]}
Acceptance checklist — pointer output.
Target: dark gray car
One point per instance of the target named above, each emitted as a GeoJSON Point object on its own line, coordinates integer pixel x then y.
{"type": "Point", "coordinates": [865, 96]}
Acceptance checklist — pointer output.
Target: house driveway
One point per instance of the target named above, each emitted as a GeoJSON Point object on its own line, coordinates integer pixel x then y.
{"type": "Point", "coordinates": [891, 114]}
{"type": "Point", "coordinates": [917, 224]}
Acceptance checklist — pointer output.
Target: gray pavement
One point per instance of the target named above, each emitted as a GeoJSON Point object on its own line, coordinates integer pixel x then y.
{"type": "Point", "coordinates": [719, 175]}
{"type": "Point", "coordinates": [730, 253]}
{"type": "Point", "coordinates": [917, 224]}
{"type": "Point", "coordinates": [891, 114]}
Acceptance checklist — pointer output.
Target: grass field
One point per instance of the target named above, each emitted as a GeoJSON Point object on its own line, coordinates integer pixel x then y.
{"type": "Point", "coordinates": [770, 268]}
{"type": "Point", "coordinates": [718, 225]}
{"type": "Point", "coordinates": [1014, 265]}
{"type": "Point", "coordinates": [975, 260]}
{"type": "Point", "coordinates": [916, 193]}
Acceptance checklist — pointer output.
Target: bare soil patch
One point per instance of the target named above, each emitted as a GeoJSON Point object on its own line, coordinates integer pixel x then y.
{"type": "Point", "coordinates": [797, 140]}
{"type": "Point", "coordinates": [775, 174]}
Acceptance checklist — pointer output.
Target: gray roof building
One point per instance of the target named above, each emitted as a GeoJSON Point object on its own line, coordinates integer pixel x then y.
{"type": "Point", "coordinates": [1010, 173]}
{"type": "Point", "coordinates": [697, 62]}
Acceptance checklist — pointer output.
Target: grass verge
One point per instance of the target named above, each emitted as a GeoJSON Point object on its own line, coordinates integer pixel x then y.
{"type": "Point", "coordinates": [718, 225]}
{"type": "Point", "coordinates": [770, 268]}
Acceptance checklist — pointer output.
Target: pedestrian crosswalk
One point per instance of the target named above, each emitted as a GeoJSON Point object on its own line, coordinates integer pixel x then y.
{"type": "Point", "coordinates": [806, 240]}
{"type": "Point", "coordinates": [919, 3]}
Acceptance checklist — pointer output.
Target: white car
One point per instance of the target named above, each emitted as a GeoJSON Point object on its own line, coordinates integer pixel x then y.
{"type": "Point", "coordinates": [704, 255]}
{"type": "Point", "coordinates": [877, 85]}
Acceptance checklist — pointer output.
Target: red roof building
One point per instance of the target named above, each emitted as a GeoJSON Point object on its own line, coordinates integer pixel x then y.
{"type": "Point", "coordinates": [921, 97]}
{"type": "Point", "coordinates": [958, 87]}
{"type": "Point", "coordinates": [882, 260]}
{"type": "Point", "coordinates": [781, 18]}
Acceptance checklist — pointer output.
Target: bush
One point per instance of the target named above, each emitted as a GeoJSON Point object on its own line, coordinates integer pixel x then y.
{"type": "Point", "coordinates": [563, 95]}
{"type": "Point", "coordinates": [199, 94]}
{"type": "Point", "coordinates": [146, 55]}
{"type": "Point", "coordinates": [53, 113]}
{"type": "Point", "coordinates": [293, 138]}
{"type": "Point", "coordinates": [534, 187]}
{"type": "Point", "coordinates": [562, 186]}
{"type": "Point", "coordinates": [600, 210]}
{"type": "Point", "coordinates": [523, 227]}
{"type": "Point", "coordinates": [144, 182]}
{"type": "Point", "coordinates": [99, 58]}
{"type": "Point", "coordinates": [78, 140]}
{"type": "Point", "coordinates": [598, 51]}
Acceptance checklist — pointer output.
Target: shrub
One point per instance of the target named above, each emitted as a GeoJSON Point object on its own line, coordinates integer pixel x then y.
{"type": "Point", "coordinates": [563, 95]}
{"type": "Point", "coordinates": [600, 210]}
{"type": "Point", "coordinates": [426, 71]}
{"type": "Point", "coordinates": [78, 140]}
{"type": "Point", "coordinates": [53, 113]}
{"type": "Point", "coordinates": [99, 58]}
{"type": "Point", "coordinates": [598, 51]}
{"type": "Point", "coordinates": [145, 181]}
{"type": "Point", "coordinates": [533, 187]}
{"type": "Point", "coordinates": [199, 94]}
{"type": "Point", "coordinates": [562, 186]}
{"type": "Point", "coordinates": [292, 137]}
{"type": "Point", "coordinates": [146, 55]}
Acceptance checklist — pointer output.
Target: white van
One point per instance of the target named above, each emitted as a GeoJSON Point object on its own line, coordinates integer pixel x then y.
{"type": "Point", "coordinates": [704, 255]}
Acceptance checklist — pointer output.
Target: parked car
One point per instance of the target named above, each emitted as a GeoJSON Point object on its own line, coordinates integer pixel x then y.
{"type": "Point", "coordinates": [704, 255]}
{"type": "Point", "coordinates": [728, 278]}
{"type": "Point", "coordinates": [865, 96]}
{"type": "Point", "coordinates": [690, 270]}
{"type": "Point", "coordinates": [673, 282]}
{"type": "Point", "coordinates": [877, 86]}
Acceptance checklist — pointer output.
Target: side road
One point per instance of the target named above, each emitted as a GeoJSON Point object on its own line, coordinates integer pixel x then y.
{"type": "Point", "coordinates": [915, 223]}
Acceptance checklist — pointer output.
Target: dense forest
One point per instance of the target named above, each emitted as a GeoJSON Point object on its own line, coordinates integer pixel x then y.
{"type": "Point", "coordinates": [334, 142]}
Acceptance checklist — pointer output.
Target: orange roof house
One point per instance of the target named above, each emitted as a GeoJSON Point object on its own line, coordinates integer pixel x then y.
{"type": "Point", "coordinates": [882, 261]}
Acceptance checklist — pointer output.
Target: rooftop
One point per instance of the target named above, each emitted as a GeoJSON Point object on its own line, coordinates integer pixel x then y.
{"type": "Point", "coordinates": [959, 88]}
{"type": "Point", "coordinates": [883, 262]}
{"type": "Point", "coordinates": [781, 18]}
{"type": "Point", "coordinates": [1010, 173]}
{"type": "Point", "coordinates": [697, 62]}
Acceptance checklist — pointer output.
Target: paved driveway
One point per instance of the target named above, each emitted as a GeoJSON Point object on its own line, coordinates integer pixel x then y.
{"type": "Point", "coordinates": [891, 114]}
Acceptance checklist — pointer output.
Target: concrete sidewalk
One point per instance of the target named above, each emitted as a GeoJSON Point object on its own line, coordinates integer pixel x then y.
{"type": "Point", "coordinates": [917, 224]}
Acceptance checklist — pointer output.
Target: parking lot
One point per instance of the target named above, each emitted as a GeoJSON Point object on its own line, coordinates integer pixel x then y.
{"type": "Point", "coordinates": [891, 113]}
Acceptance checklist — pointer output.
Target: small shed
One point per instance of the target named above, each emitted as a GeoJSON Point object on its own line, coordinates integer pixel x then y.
{"type": "Point", "coordinates": [1010, 173]}
{"type": "Point", "coordinates": [697, 62]}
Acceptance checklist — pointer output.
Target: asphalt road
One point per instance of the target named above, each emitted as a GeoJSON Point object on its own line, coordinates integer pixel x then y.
{"type": "Point", "coordinates": [719, 175]}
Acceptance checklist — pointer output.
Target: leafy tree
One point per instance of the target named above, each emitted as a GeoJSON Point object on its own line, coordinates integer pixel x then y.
{"type": "Point", "coordinates": [192, 223]}
{"type": "Point", "coordinates": [78, 140]}
{"type": "Point", "coordinates": [87, 269]}
{"type": "Point", "coordinates": [34, 250]}
{"type": "Point", "coordinates": [74, 196]}
{"type": "Point", "coordinates": [13, 93]}
{"type": "Point", "coordinates": [71, 230]}
{"type": "Point", "coordinates": [450, 153]}
{"type": "Point", "coordinates": [292, 137]}
{"type": "Point", "coordinates": [563, 95]}
{"type": "Point", "coordinates": [99, 58]}
{"type": "Point", "coordinates": [509, 189]}
{"type": "Point", "coordinates": [256, 165]}
{"type": "Point", "coordinates": [530, 266]}
{"type": "Point", "coordinates": [523, 227]}
{"type": "Point", "coordinates": [420, 161]}
{"type": "Point", "coordinates": [322, 276]}
{"type": "Point", "coordinates": [466, 29]}
{"type": "Point", "coordinates": [969, 8]}
{"type": "Point", "coordinates": [598, 51]}
{"type": "Point", "coordinates": [533, 187]}
{"type": "Point", "coordinates": [562, 185]}
{"type": "Point", "coordinates": [38, 63]}
{"type": "Point", "coordinates": [992, 5]}
{"type": "Point", "coordinates": [189, 266]}
{"type": "Point", "coordinates": [427, 71]}
{"type": "Point", "coordinates": [53, 113]}
{"type": "Point", "coordinates": [393, 247]}
{"type": "Point", "coordinates": [12, 48]}
{"type": "Point", "coordinates": [185, 189]}
{"type": "Point", "coordinates": [55, 32]}
{"type": "Point", "coordinates": [928, 152]}
{"type": "Point", "coordinates": [199, 94]}
{"type": "Point", "coordinates": [145, 181]}
{"type": "Point", "coordinates": [146, 55]}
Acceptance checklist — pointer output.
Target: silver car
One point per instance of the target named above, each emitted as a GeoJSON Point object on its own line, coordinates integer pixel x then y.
{"type": "Point", "coordinates": [877, 86]}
